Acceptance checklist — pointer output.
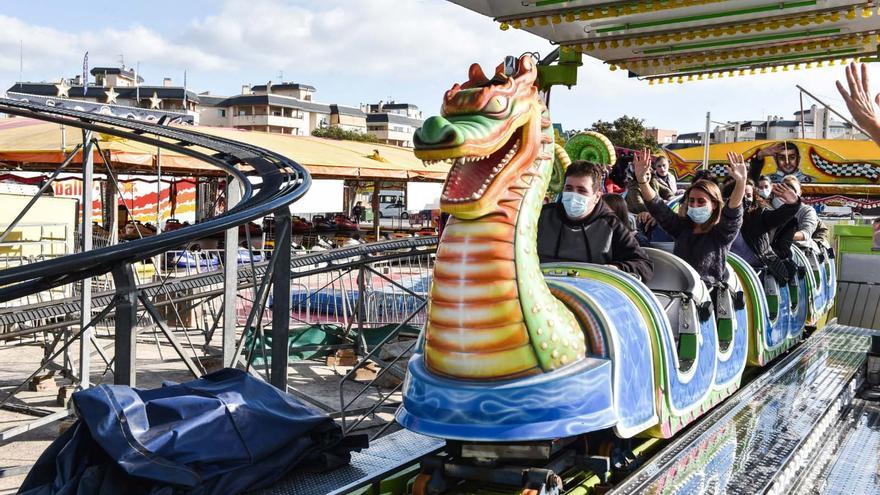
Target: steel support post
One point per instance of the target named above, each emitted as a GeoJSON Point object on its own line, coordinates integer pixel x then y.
{"type": "Point", "coordinates": [230, 278]}
{"type": "Point", "coordinates": [281, 299]}
{"type": "Point", "coordinates": [85, 314]}
{"type": "Point", "coordinates": [126, 318]}
{"type": "Point", "coordinates": [361, 309]}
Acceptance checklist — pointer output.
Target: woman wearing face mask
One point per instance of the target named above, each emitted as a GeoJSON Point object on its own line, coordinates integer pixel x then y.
{"type": "Point", "coordinates": [582, 228]}
{"type": "Point", "coordinates": [704, 227]}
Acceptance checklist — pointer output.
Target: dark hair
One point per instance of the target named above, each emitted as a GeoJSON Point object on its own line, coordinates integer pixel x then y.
{"type": "Point", "coordinates": [356, 236]}
{"type": "Point", "coordinates": [792, 147]}
{"type": "Point", "coordinates": [713, 191]}
{"type": "Point", "coordinates": [583, 168]}
{"type": "Point", "coordinates": [703, 175]}
{"type": "Point", "coordinates": [618, 206]}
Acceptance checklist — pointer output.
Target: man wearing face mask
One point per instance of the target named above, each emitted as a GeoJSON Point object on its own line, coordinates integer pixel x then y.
{"type": "Point", "coordinates": [582, 228]}
{"type": "Point", "coordinates": [764, 191]}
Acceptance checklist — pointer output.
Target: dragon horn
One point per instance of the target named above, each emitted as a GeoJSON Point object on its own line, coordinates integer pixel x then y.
{"type": "Point", "coordinates": [476, 76]}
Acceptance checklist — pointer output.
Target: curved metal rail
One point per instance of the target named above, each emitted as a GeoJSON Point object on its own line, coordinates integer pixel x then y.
{"type": "Point", "coordinates": [281, 181]}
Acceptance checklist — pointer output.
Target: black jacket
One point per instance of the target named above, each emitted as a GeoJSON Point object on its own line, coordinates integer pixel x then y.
{"type": "Point", "coordinates": [706, 252]}
{"type": "Point", "coordinates": [599, 238]}
{"type": "Point", "coordinates": [758, 223]}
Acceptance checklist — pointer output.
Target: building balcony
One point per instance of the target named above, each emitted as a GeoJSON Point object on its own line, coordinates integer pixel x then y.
{"type": "Point", "coordinates": [268, 120]}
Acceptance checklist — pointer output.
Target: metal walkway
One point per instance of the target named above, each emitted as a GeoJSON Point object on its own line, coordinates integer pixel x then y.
{"type": "Point", "coordinates": [385, 457]}
{"type": "Point", "coordinates": [848, 462]}
{"type": "Point", "coordinates": [766, 437]}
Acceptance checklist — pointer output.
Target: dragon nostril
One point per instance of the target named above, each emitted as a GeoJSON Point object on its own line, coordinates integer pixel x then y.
{"type": "Point", "coordinates": [438, 131]}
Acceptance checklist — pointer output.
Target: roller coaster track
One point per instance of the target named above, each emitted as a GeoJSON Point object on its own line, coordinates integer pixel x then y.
{"type": "Point", "coordinates": [206, 283]}
{"type": "Point", "coordinates": [270, 181]}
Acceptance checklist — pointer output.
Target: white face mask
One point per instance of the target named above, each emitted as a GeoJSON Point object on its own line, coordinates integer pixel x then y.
{"type": "Point", "coordinates": [576, 205]}
{"type": "Point", "coordinates": [700, 214]}
{"type": "Point", "coordinates": [764, 192]}
{"type": "Point", "coordinates": [776, 203]}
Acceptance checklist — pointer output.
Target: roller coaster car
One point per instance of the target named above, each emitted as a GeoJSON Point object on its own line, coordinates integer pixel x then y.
{"type": "Point", "coordinates": [518, 358]}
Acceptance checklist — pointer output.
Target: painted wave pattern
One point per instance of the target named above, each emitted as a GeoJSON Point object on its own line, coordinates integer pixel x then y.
{"type": "Point", "coordinates": [567, 402]}
{"type": "Point", "coordinates": [633, 367]}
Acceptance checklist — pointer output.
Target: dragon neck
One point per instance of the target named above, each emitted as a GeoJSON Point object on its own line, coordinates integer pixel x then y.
{"type": "Point", "coordinates": [491, 315]}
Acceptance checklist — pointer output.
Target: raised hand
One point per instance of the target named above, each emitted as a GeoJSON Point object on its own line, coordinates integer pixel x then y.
{"type": "Point", "coordinates": [785, 194]}
{"type": "Point", "coordinates": [736, 167]}
{"type": "Point", "coordinates": [642, 165]}
{"type": "Point", "coordinates": [859, 101]}
{"type": "Point", "coordinates": [771, 150]}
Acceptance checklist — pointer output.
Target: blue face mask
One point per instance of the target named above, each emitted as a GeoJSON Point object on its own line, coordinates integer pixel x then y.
{"type": "Point", "coordinates": [576, 205]}
{"type": "Point", "coordinates": [776, 203]}
{"type": "Point", "coordinates": [700, 214]}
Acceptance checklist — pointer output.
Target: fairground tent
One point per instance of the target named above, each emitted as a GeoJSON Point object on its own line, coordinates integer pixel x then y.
{"type": "Point", "coordinates": [38, 146]}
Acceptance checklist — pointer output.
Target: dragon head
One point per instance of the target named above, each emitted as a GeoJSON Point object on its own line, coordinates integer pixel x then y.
{"type": "Point", "coordinates": [489, 129]}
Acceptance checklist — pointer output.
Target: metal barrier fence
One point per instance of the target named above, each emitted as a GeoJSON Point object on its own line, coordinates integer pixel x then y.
{"type": "Point", "coordinates": [356, 299]}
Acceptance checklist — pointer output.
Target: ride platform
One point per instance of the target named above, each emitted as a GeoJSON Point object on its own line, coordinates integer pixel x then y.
{"type": "Point", "coordinates": [797, 428]}
{"type": "Point", "coordinates": [768, 437]}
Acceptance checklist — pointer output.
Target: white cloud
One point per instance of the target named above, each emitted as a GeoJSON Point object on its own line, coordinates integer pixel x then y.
{"type": "Point", "coordinates": [365, 50]}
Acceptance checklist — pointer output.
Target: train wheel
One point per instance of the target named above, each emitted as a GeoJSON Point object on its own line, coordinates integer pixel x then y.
{"type": "Point", "coordinates": [552, 486]}
{"type": "Point", "coordinates": [420, 485]}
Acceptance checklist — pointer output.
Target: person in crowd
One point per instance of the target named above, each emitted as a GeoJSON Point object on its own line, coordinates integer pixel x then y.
{"type": "Point", "coordinates": [704, 227]}
{"type": "Point", "coordinates": [753, 243]}
{"type": "Point", "coordinates": [859, 101]}
{"type": "Point", "coordinates": [357, 211]}
{"type": "Point", "coordinates": [664, 175]}
{"type": "Point", "coordinates": [618, 205]}
{"type": "Point", "coordinates": [822, 235]}
{"type": "Point", "coordinates": [580, 227]}
{"type": "Point", "coordinates": [634, 202]}
{"type": "Point", "coordinates": [806, 217]}
{"type": "Point", "coordinates": [763, 191]}
{"type": "Point", "coordinates": [704, 174]}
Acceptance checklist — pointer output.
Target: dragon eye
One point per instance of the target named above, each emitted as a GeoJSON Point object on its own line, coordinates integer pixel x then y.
{"type": "Point", "coordinates": [497, 104]}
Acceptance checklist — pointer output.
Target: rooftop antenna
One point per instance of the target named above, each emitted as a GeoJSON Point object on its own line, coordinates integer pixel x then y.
{"type": "Point", "coordinates": [121, 61]}
{"type": "Point", "coordinates": [281, 75]}
{"type": "Point", "coordinates": [20, 62]}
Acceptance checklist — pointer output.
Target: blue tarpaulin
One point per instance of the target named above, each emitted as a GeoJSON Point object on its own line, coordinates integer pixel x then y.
{"type": "Point", "coordinates": [222, 434]}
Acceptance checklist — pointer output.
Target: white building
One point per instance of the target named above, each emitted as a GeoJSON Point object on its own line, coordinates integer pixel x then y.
{"type": "Point", "coordinates": [818, 123]}
{"type": "Point", "coordinates": [393, 123]}
{"type": "Point", "coordinates": [285, 108]}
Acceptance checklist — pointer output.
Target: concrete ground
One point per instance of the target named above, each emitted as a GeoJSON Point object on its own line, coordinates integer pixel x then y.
{"type": "Point", "coordinates": [18, 359]}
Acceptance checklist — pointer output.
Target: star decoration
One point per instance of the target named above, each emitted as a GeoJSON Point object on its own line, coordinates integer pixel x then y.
{"type": "Point", "coordinates": [63, 89]}
{"type": "Point", "coordinates": [111, 95]}
{"type": "Point", "coordinates": [155, 100]}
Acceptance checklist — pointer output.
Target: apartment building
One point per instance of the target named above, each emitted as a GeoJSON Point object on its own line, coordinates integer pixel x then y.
{"type": "Point", "coordinates": [117, 91]}
{"type": "Point", "coordinates": [393, 123]}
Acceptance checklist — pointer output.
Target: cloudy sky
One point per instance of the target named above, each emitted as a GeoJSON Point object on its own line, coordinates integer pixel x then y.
{"type": "Point", "coordinates": [355, 51]}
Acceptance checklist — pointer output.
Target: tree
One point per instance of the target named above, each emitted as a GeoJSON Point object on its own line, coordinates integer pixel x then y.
{"type": "Point", "coordinates": [626, 132]}
{"type": "Point", "coordinates": [336, 132]}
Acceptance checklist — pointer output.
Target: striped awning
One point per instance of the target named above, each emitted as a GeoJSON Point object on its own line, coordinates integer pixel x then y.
{"type": "Point", "coordinates": [681, 40]}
